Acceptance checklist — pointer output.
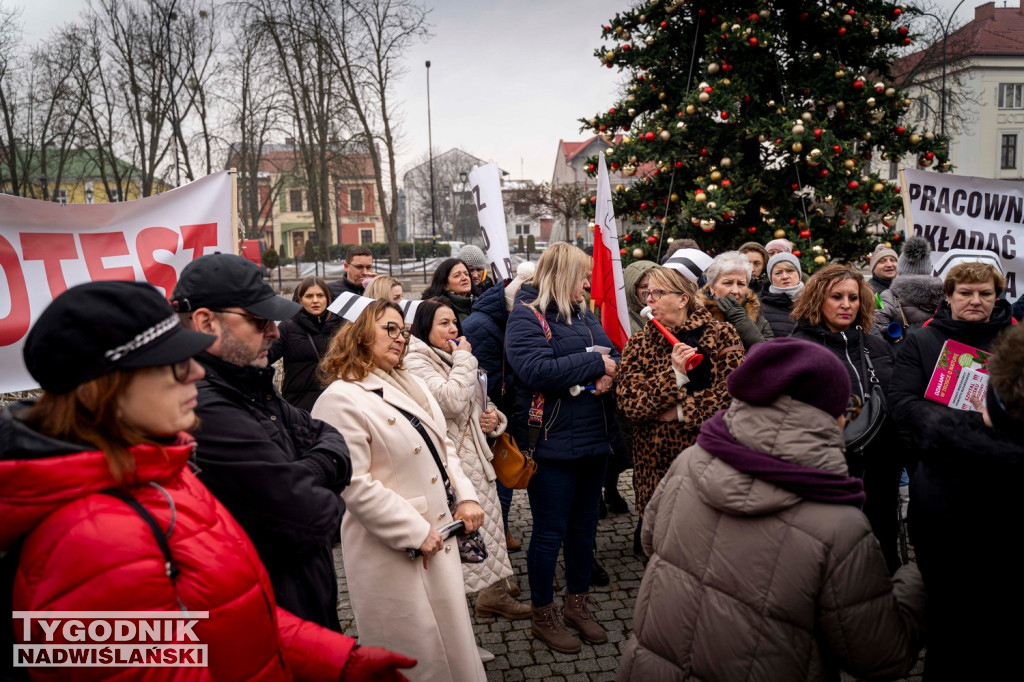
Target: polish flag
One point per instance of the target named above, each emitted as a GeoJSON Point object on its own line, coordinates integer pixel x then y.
{"type": "Point", "coordinates": [607, 288]}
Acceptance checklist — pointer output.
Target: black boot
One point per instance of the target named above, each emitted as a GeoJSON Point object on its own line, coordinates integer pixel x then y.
{"type": "Point", "coordinates": [638, 547]}
{"type": "Point", "coordinates": [616, 505]}
{"type": "Point", "coordinates": [599, 576]}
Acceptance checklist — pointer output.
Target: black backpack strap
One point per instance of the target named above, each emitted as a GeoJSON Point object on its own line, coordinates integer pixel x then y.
{"type": "Point", "coordinates": [170, 566]}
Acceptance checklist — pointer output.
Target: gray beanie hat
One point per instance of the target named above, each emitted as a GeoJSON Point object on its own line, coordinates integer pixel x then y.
{"type": "Point", "coordinates": [915, 258]}
{"type": "Point", "coordinates": [473, 257]}
{"type": "Point", "coordinates": [783, 257]}
{"type": "Point", "coordinates": [880, 252]}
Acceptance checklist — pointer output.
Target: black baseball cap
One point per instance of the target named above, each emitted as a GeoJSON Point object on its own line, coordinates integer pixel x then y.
{"type": "Point", "coordinates": [224, 280]}
{"type": "Point", "coordinates": [95, 328]}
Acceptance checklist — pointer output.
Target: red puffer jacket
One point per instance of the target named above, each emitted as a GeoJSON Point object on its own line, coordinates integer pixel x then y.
{"type": "Point", "coordinates": [87, 551]}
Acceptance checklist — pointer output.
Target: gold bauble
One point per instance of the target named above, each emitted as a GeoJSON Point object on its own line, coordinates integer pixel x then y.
{"type": "Point", "coordinates": [840, 105]}
{"type": "Point", "coordinates": [662, 95]}
{"type": "Point", "coordinates": [871, 101]}
{"type": "Point", "coordinates": [849, 164]}
{"type": "Point", "coordinates": [915, 139]}
{"type": "Point", "coordinates": [701, 198]}
{"type": "Point", "coordinates": [840, 74]}
{"type": "Point", "coordinates": [929, 136]}
{"type": "Point", "coordinates": [715, 176]}
{"type": "Point", "coordinates": [619, 188]}
{"type": "Point", "coordinates": [877, 187]}
{"type": "Point", "coordinates": [690, 109]}
{"type": "Point", "coordinates": [712, 205]}
{"type": "Point", "coordinates": [820, 260]}
{"type": "Point", "coordinates": [638, 253]}
{"type": "Point", "coordinates": [890, 92]}
{"type": "Point", "coordinates": [703, 97]}
{"type": "Point", "coordinates": [664, 135]}
{"type": "Point", "coordinates": [780, 233]}
{"type": "Point", "coordinates": [680, 125]}
{"type": "Point", "coordinates": [806, 116]}
{"type": "Point", "coordinates": [798, 147]}
{"type": "Point", "coordinates": [674, 198]}
{"type": "Point", "coordinates": [726, 162]}
{"type": "Point", "coordinates": [713, 67]}
{"type": "Point", "coordinates": [798, 129]}
{"type": "Point", "coordinates": [609, 55]}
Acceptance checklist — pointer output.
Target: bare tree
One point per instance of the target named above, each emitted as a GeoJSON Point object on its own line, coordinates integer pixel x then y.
{"type": "Point", "coordinates": [371, 36]}
{"type": "Point", "coordinates": [16, 158]}
{"type": "Point", "coordinates": [448, 169]}
{"type": "Point", "coordinates": [564, 201]}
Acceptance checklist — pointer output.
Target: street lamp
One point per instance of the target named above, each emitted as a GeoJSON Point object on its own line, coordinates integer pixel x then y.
{"type": "Point", "coordinates": [89, 194]}
{"type": "Point", "coordinates": [46, 187]}
{"type": "Point", "coordinates": [945, 37]}
{"type": "Point", "coordinates": [430, 144]}
{"type": "Point", "coordinates": [464, 180]}
{"type": "Point", "coordinates": [172, 15]}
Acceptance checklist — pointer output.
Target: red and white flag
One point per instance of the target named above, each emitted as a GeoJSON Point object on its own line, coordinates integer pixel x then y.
{"type": "Point", "coordinates": [607, 288]}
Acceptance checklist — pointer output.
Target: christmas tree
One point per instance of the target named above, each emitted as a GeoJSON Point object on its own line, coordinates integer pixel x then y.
{"type": "Point", "coordinates": [756, 120]}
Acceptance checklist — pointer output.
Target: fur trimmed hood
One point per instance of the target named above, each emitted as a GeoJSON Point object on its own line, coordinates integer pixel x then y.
{"type": "Point", "coordinates": [921, 291]}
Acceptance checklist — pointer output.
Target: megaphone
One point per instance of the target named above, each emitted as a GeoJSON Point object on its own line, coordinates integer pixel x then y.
{"type": "Point", "coordinates": [894, 330]}
{"type": "Point", "coordinates": [694, 360]}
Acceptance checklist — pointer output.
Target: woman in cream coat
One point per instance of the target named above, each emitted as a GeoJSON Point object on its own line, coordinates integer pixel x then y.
{"type": "Point", "coordinates": [446, 364]}
{"type": "Point", "coordinates": [397, 500]}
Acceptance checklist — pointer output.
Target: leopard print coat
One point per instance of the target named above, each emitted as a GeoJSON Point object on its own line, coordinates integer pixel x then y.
{"type": "Point", "coordinates": [646, 389]}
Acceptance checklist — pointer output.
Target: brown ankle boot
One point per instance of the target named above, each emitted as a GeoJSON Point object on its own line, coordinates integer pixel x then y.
{"type": "Point", "coordinates": [511, 543]}
{"type": "Point", "coordinates": [577, 615]}
{"type": "Point", "coordinates": [512, 585]}
{"type": "Point", "coordinates": [549, 628]}
{"type": "Point", "coordinates": [495, 600]}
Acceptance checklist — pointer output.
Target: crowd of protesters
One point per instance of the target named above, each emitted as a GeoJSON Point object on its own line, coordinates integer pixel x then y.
{"type": "Point", "coordinates": [160, 470]}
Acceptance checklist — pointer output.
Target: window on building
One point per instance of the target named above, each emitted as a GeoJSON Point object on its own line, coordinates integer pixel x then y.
{"type": "Point", "coordinates": [522, 229]}
{"type": "Point", "coordinates": [62, 196]}
{"type": "Point", "coordinates": [1011, 95]}
{"type": "Point", "coordinates": [355, 201]}
{"type": "Point", "coordinates": [113, 195]}
{"type": "Point", "coordinates": [1008, 152]}
{"type": "Point", "coordinates": [922, 107]}
{"type": "Point", "coordinates": [295, 200]}
{"type": "Point", "coordinates": [365, 236]}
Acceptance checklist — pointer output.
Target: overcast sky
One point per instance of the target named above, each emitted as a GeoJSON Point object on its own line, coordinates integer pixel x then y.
{"type": "Point", "coordinates": [508, 78]}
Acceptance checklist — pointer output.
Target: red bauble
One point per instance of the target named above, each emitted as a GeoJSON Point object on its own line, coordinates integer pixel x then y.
{"type": "Point", "coordinates": [679, 164]}
{"type": "Point", "coordinates": [703, 151]}
{"type": "Point", "coordinates": [649, 136]}
{"type": "Point", "coordinates": [804, 16]}
{"type": "Point", "coordinates": [663, 24]}
{"type": "Point", "coordinates": [753, 17]}
{"type": "Point", "coordinates": [725, 115]}
{"type": "Point", "coordinates": [805, 234]}
{"type": "Point", "coordinates": [726, 182]}
{"type": "Point", "coordinates": [611, 111]}
{"type": "Point", "coordinates": [593, 200]}
{"type": "Point", "coordinates": [622, 252]}
{"type": "Point", "coordinates": [652, 239]}
{"type": "Point", "coordinates": [900, 130]}
{"type": "Point", "coordinates": [853, 184]}
{"type": "Point", "coordinates": [643, 206]}
{"type": "Point", "coordinates": [792, 221]}
{"type": "Point", "coordinates": [896, 237]}
{"type": "Point", "coordinates": [858, 85]}
{"type": "Point", "coordinates": [897, 11]}
{"type": "Point", "coordinates": [796, 252]}
{"type": "Point", "coordinates": [615, 166]}
{"type": "Point", "coordinates": [795, 186]}
{"type": "Point", "coordinates": [752, 230]}
{"type": "Point", "coordinates": [817, 133]}
{"type": "Point", "coordinates": [842, 31]}
{"type": "Point", "coordinates": [903, 31]}
{"type": "Point", "coordinates": [726, 67]}
{"type": "Point", "coordinates": [709, 89]}
{"type": "Point", "coordinates": [609, 64]}
{"type": "Point", "coordinates": [823, 172]}
{"type": "Point", "coordinates": [879, 87]}
{"type": "Point", "coordinates": [625, 46]}
{"type": "Point", "coordinates": [753, 41]}
{"type": "Point", "coordinates": [838, 149]}
{"type": "Point", "coordinates": [627, 237]}
{"type": "Point", "coordinates": [929, 155]}
{"type": "Point", "coordinates": [906, 41]}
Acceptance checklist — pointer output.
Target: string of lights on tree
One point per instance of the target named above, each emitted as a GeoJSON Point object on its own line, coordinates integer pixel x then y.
{"type": "Point", "coordinates": [751, 121]}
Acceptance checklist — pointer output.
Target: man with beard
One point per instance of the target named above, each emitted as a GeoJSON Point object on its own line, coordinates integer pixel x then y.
{"type": "Point", "coordinates": [275, 468]}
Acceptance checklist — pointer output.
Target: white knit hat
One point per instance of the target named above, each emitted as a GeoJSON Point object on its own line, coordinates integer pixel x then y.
{"type": "Point", "coordinates": [957, 256]}
{"type": "Point", "coordinates": [690, 263]}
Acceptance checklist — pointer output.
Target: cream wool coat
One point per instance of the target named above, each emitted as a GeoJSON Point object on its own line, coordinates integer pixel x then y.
{"type": "Point", "coordinates": [452, 380]}
{"type": "Point", "coordinates": [395, 497]}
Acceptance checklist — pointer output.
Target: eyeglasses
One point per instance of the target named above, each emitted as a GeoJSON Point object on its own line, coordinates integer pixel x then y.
{"type": "Point", "coordinates": [395, 330]}
{"type": "Point", "coordinates": [656, 294]}
{"type": "Point", "coordinates": [261, 323]}
{"type": "Point", "coordinates": [181, 370]}
{"type": "Point", "coordinates": [353, 266]}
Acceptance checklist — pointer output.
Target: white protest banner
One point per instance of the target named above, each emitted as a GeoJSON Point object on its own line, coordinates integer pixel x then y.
{"type": "Point", "coordinates": [485, 181]}
{"type": "Point", "coordinates": [954, 212]}
{"type": "Point", "coordinates": [350, 306]}
{"type": "Point", "coordinates": [46, 247]}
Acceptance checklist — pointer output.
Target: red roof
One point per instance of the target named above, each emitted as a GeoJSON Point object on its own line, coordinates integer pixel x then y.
{"type": "Point", "coordinates": [993, 32]}
{"type": "Point", "coordinates": [573, 149]}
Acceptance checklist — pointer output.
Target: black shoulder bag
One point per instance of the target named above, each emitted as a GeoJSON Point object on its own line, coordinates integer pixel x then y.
{"type": "Point", "coordinates": [472, 549]}
{"type": "Point", "coordinates": [865, 427]}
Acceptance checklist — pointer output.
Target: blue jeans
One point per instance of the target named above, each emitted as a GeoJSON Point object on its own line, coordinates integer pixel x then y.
{"type": "Point", "coordinates": [505, 498]}
{"type": "Point", "coordinates": [564, 498]}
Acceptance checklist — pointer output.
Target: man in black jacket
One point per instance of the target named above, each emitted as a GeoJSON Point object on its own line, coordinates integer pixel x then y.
{"type": "Point", "coordinates": [275, 468]}
{"type": "Point", "coordinates": [358, 267]}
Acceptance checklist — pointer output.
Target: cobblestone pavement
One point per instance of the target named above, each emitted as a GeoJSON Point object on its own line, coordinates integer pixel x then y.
{"type": "Point", "coordinates": [517, 655]}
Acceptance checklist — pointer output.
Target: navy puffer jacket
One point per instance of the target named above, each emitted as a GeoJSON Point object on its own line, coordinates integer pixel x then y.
{"type": "Point", "coordinates": [574, 427]}
{"type": "Point", "coordinates": [485, 330]}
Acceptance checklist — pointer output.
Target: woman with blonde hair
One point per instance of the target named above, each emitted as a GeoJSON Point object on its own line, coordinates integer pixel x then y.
{"type": "Point", "coordinates": [664, 401]}
{"type": "Point", "coordinates": [564, 365]}
{"type": "Point", "coordinates": [407, 485]}
{"type": "Point", "coordinates": [384, 287]}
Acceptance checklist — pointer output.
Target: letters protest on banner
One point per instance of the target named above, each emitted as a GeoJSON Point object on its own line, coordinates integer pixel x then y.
{"type": "Point", "coordinates": [958, 212]}
{"type": "Point", "coordinates": [485, 183]}
{"type": "Point", "coordinates": [47, 247]}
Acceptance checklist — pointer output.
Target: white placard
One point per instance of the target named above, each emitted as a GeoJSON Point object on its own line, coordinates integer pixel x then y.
{"type": "Point", "coordinates": [955, 212]}
{"type": "Point", "coordinates": [46, 247]}
{"type": "Point", "coordinates": [485, 183]}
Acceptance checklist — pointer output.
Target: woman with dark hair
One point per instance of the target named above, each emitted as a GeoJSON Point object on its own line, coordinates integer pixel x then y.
{"type": "Point", "coordinates": [837, 310]}
{"type": "Point", "coordinates": [453, 284]}
{"type": "Point", "coordinates": [102, 511]}
{"type": "Point", "coordinates": [303, 342]}
{"type": "Point", "coordinates": [445, 362]}
{"type": "Point", "coordinates": [407, 484]}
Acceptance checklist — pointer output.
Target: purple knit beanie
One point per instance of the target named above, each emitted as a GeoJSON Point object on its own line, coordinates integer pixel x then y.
{"type": "Point", "coordinates": [800, 369]}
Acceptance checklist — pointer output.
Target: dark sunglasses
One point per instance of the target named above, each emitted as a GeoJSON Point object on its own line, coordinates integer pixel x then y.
{"type": "Point", "coordinates": [181, 370]}
{"type": "Point", "coordinates": [395, 330]}
{"type": "Point", "coordinates": [260, 322]}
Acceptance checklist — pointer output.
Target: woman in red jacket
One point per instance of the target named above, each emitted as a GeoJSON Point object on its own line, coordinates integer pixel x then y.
{"type": "Point", "coordinates": [102, 513]}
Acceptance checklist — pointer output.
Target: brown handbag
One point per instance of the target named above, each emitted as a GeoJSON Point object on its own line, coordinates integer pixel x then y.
{"type": "Point", "coordinates": [513, 467]}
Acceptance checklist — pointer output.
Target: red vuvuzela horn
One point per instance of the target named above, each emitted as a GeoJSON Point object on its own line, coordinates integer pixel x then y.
{"type": "Point", "coordinates": [694, 360]}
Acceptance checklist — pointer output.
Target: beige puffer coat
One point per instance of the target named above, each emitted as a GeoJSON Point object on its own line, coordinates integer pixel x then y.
{"type": "Point", "coordinates": [750, 582]}
{"type": "Point", "coordinates": [452, 380]}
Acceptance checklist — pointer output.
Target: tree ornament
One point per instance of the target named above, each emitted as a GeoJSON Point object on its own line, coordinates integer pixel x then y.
{"type": "Point", "coordinates": [915, 139]}
{"type": "Point", "coordinates": [652, 239]}
{"type": "Point", "coordinates": [622, 252]}
{"type": "Point", "coordinates": [852, 184]}
{"type": "Point", "coordinates": [798, 129]}
{"type": "Point", "coordinates": [820, 260]}
{"type": "Point", "coordinates": [707, 225]}
{"type": "Point", "coordinates": [638, 253]}
{"type": "Point", "coordinates": [752, 230]}
{"type": "Point", "coordinates": [797, 147]}
{"type": "Point", "coordinates": [796, 252]}
{"type": "Point", "coordinates": [805, 234]}
{"type": "Point", "coordinates": [779, 233]}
